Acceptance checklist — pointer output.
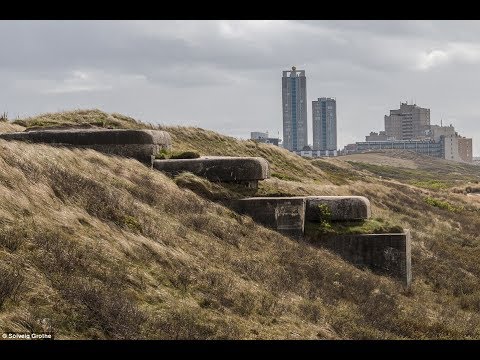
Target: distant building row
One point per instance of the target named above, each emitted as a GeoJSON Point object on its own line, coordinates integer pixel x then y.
{"type": "Point", "coordinates": [263, 138]}
{"type": "Point", "coordinates": [306, 152]}
{"type": "Point", "coordinates": [409, 128]}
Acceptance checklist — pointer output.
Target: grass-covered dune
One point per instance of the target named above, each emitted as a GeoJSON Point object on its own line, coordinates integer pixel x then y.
{"type": "Point", "coordinates": [97, 246]}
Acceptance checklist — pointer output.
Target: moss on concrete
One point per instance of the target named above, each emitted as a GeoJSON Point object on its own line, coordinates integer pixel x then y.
{"type": "Point", "coordinates": [370, 226]}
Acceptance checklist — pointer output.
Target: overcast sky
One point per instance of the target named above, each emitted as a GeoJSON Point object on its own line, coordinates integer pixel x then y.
{"type": "Point", "coordinates": [226, 75]}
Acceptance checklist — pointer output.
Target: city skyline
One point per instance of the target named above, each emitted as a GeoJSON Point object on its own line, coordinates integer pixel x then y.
{"type": "Point", "coordinates": [223, 75]}
{"type": "Point", "coordinates": [409, 128]}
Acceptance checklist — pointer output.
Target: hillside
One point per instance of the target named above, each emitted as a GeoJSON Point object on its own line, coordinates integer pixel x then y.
{"type": "Point", "coordinates": [97, 246]}
{"type": "Point", "coordinates": [9, 127]}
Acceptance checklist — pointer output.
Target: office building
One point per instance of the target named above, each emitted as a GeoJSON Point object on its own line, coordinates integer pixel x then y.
{"type": "Point", "coordinates": [263, 138]}
{"type": "Point", "coordinates": [257, 135]}
{"type": "Point", "coordinates": [349, 149]}
{"type": "Point", "coordinates": [428, 147]}
{"type": "Point", "coordinates": [408, 122]}
{"type": "Point", "coordinates": [382, 136]}
{"type": "Point", "coordinates": [294, 109]}
{"type": "Point", "coordinates": [324, 124]}
{"type": "Point", "coordinates": [308, 152]}
{"type": "Point", "coordinates": [455, 147]}
{"type": "Point", "coordinates": [465, 151]}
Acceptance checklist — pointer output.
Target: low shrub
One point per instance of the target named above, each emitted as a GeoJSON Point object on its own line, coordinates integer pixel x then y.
{"type": "Point", "coordinates": [441, 204]}
{"type": "Point", "coordinates": [431, 184]}
{"type": "Point", "coordinates": [104, 307]}
{"type": "Point", "coordinates": [10, 281]}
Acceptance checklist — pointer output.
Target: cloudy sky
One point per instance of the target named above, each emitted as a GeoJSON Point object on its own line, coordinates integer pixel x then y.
{"type": "Point", "coordinates": [226, 75]}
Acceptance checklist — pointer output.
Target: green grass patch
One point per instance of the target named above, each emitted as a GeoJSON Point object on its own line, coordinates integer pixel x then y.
{"type": "Point", "coordinates": [92, 117]}
{"type": "Point", "coordinates": [132, 223]}
{"type": "Point", "coordinates": [35, 123]}
{"type": "Point", "coordinates": [370, 226]}
{"type": "Point", "coordinates": [425, 177]}
{"type": "Point", "coordinates": [441, 204]}
{"type": "Point", "coordinates": [325, 226]}
{"type": "Point", "coordinates": [431, 184]}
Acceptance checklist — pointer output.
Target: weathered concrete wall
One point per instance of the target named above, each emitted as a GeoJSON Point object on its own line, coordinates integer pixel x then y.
{"type": "Point", "coordinates": [139, 144]}
{"type": "Point", "coordinates": [389, 254]}
{"type": "Point", "coordinates": [218, 168]}
{"type": "Point", "coordinates": [383, 253]}
{"type": "Point", "coordinates": [342, 208]}
{"type": "Point", "coordinates": [141, 152]}
{"type": "Point", "coordinates": [286, 215]}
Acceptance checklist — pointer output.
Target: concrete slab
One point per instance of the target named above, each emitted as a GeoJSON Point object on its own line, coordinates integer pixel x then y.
{"type": "Point", "coordinates": [342, 208]}
{"type": "Point", "coordinates": [218, 168]}
{"type": "Point", "coordinates": [389, 254]}
{"type": "Point", "coordinates": [139, 144]}
{"type": "Point", "coordinates": [284, 214]}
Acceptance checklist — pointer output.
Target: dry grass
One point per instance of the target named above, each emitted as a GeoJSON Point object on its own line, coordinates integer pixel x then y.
{"type": "Point", "coordinates": [9, 127]}
{"type": "Point", "coordinates": [94, 246]}
{"type": "Point", "coordinates": [87, 118]}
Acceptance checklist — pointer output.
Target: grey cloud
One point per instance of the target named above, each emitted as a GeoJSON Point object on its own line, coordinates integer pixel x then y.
{"type": "Point", "coordinates": [226, 75]}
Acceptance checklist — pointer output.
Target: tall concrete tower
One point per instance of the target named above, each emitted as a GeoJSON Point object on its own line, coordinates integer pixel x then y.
{"type": "Point", "coordinates": [294, 108]}
{"type": "Point", "coordinates": [324, 124]}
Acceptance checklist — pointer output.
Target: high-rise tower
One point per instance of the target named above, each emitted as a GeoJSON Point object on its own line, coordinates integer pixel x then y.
{"type": "Point", "coordinates": [294, 108]}
{"type": "Point", "coordinates": [324, 123]}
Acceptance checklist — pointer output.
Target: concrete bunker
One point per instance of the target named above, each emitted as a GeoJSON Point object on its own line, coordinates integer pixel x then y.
{"type": "Point", "coordinates": [244, 170]}
{"type": "Point", "coordinates": [284, 214]}
{"type": "Point", "coordinates": [138, 144]}
{"type": "Point", "coordinates": [385, 253]}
